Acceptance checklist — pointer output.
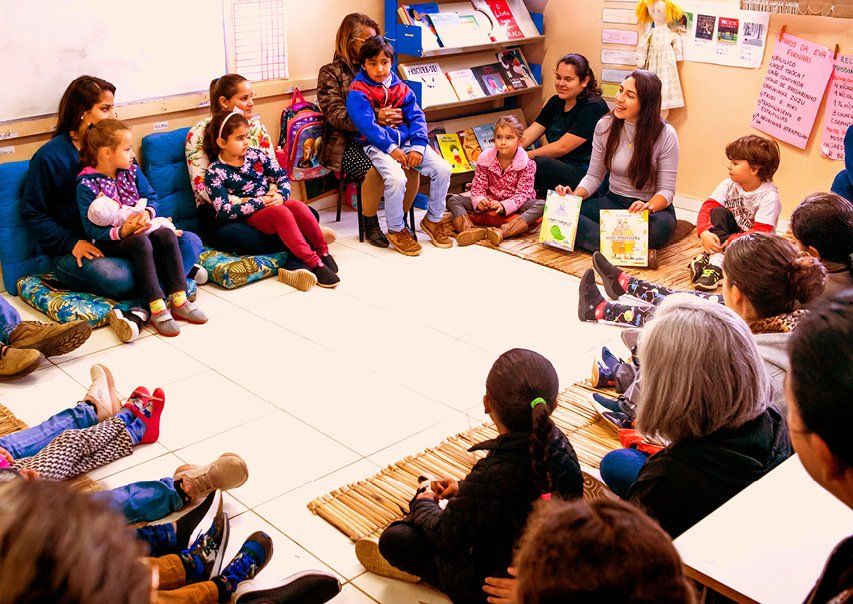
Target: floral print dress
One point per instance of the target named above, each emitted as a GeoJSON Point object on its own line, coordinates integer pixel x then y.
{"type": "Point", "coordinates": [237, 191]}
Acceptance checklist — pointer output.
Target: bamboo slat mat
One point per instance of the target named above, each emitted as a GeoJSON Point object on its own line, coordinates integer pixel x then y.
{"type": "Point", "coordinates": [365, 508]}
{"type": "Point", "coordinates": [672, 260]}
{"type": "Point", "coordinates": [9, 424]}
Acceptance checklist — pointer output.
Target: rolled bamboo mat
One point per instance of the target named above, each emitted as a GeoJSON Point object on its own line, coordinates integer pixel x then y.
{"type": "Point", "coordinates": [9, 424]}
{"type": "Point", "coordinates": [365, 508]}
{"type": "Point", "coordinates": [672, 260]}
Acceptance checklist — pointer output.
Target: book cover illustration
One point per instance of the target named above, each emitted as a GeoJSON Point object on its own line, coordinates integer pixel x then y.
{"type": "Point", "coordinates": [433, 133]}
{"type": "Point", "coordinates": [506, 20]}
{"type": "Point", "coordinates": [418, 15]}
{"type": "Point", "coordinates": [727, 30]}
{"type": "Point", "coordinates": [705, 27]}
{"type": "Point", "coordinates": [560, 221]}
{"type": "Point", "coordinates": [485, 134]}
{"type": "Point", "coordinates": [491, 79]}
{"type": "Point", "coordinates": [625, 237]}
{"type": "Point", "coordinates": [465, 84]}
{"type": "Point", "coordinates": [436, 89]}
{"type": "Point", "coordinates": [470, 145]}
{"type": "Point", "coordinates": [451, 150]}
{"type": "Point", "coordinates": [515, 71]}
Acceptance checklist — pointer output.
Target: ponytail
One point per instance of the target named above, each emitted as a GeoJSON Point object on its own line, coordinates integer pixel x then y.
{"type": "Point", "coordinates": [97, 136]}
{"type": "Point", "coordinates": [808, 278]}
{"type": "Point", "coordinates": [223, 87]}
{"type": "Point", "coordinates": [540, 439]}
{"type": "Point", "coordinates": [216, 129]}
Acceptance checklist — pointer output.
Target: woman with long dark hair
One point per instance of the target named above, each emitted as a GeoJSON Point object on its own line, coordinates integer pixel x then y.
{"type": "Point", "coordinates": [640, 151]}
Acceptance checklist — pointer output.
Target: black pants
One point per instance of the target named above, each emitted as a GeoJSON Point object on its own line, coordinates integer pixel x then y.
{"type": "Point", "coordinates": [551, 172]}
{"type": "Point", "coordinates": [723, 224]}
{"type": "Point", "coordinates": [406, 548]}
{"type": "Point", "coordinates": [152, 255]}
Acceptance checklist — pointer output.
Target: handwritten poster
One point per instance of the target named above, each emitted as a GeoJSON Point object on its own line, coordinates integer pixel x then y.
{"type": "Point", "coordinates": [723, 34]}
{"type": "Point", "coordinates": [615, 75]}
{"type": "Point", "coordinates": [838, 113]}
{"type": "Point", "coordinates": [620, 36]}
{"type": "Point", "coordinates": [619, 15]}
{"type": "Point", "coordinates": [793, 88]}
{"type": "Point", "coordinates": [610, 56]}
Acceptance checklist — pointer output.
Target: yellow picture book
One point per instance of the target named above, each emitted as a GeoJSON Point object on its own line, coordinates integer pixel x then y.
{"type": "Point", "coordinates": [452, 150]}
{"type": "Point", "coordinates": [625, 237]}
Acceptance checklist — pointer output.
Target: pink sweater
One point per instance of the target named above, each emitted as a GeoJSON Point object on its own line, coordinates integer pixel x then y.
{"type": "Point", "coordinates": [513, 187]}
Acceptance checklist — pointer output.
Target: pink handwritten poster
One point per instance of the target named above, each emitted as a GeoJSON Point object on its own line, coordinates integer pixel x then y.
{"type": "Point", "coordinates": [838, 114]}
{"type": "Point", "coordinates": [793, 89]}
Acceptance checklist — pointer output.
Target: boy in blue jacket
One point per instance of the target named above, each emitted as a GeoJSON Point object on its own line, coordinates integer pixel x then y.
{"type": "Point", "coordinates": [393, 149]}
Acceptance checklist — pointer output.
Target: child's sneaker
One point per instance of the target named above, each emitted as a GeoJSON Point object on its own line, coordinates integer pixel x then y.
{"type": "Point", "coordinates": [203, 559]}
{"type": "Point", "coordinates": [697, 265]}
{"type": "Point", "coordinates": [711, 278]}
{"type": "Point", "coordinates": [404, 243]}
{"type": "Point", "coordinates": [329, 236]}
{"type": "Point", "coordinates": [125, 329]}
{"type": "Point", "coordinates": [148, 408]}
{"type": "Point", "coordinates": [249, 561]}
{"type": "Point", "coordinates": [367, 552]}
{"type": "Point", "coordinates": [437, 232]}
{"type": "Point", "coordinates": [102, 393]}
{"type": "Point", "coordinates": [199, 274]}
{"type": "Point", "coordinates": [165, 324]}
{"type": "Point", "coordinates": [301, 279]}
{"type": "Point", "coordinates": [306, 587]}
{"type": "Point", "coordinates": [190, 313]}
{"type": "Point", "coordinates": [330, 262]}
{"type": "Point", "coordinates": [325, 276]}
{"type": "Point", "coordinates": [228, 471]}
{"type": "Point", "coordinates": [588, 297]}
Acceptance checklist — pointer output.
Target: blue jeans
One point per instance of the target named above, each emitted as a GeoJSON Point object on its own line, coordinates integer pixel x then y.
{"type": "Point", "coordinates": [9, 320]}
{"type": "Point", "coordinates": [620, 468]}
{"type": "Point", "coordinates": [26, 443]}
{"type": "Point", "coordinates": [113, 277]}
{"type": "Point", "coordinates": [433, 167]}
{"type": "Point", "coordinates": [661, 224]}
{"type": "Point", "coordinates": [144, 501]}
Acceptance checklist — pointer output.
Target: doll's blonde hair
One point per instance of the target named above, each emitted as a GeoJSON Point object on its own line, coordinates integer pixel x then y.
{"type": "Point", "coordinates": [673, 11]}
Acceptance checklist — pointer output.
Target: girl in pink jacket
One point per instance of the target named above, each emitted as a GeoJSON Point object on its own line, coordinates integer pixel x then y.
{"type": "Point", "coordinates": [502, 191]}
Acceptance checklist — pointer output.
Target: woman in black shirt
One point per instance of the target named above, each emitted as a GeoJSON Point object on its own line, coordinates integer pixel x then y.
{"type": "Point", "coordinates": [567, 121]}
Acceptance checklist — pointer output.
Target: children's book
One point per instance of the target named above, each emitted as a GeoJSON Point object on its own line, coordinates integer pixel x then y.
{"type": "Point", "coordinates": [625, 237]}
{"type": "Point", "coordinates": [465, 84]}
{"type": "Point", "coordinates": [470, 145]}
{"type": "Point", "coordinates": [418, 16]}
{"type": "Point", "coordinates": [451, 150]}
{"type": "Point", "coordinates": [485, 134]}
{"type": "Point", "coordinates": [515, 70]}
{"type": "Point", "coordinates": [435, 85]}
{"type": "Point", "coordinates": [506, 20]}
{"type": "Point", "coordinates": [482, 7]}
{"type": "Point", "coordinates": [434, 130]}
{"type": "Point", "coordinates": [491, 79]}
{"type": "Point", "coordinates": [560, 221]}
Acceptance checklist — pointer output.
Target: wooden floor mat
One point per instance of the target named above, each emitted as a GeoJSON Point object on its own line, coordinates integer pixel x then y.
{"type": "Point", "coordinates": [672, 260]}
{"type": "Point", "coordinates": [365, 508]}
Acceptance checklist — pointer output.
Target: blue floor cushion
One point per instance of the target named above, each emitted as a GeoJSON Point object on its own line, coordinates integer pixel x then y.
{"type": "Point", "coordinates": [44, 293]}
{"type": "Point", "coordinates": [230, 270]}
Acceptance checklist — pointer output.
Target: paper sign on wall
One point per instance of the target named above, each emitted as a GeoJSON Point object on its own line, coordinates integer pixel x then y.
{"type": "Point", "coordinates": [619, 15]}
{"type": "Point", "coordinates": [609, 90]}
{"type": "Point", "coordinates": [793, 88]}
{"type": "Point", "coordinates": [838, 112]}
{"type": "Point", "coordinates": [610, 56]}
{"type": "Point", "coordinates": [615, 75]}
{"type": "Point", "coordinates": [620, 36]}
{"type": "Point", "coordinates": [723, 34]}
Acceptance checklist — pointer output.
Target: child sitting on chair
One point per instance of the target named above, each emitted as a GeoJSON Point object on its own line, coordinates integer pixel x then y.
{"type": "Point", "coordinates": [503, 186]}
{"type": "Point", "coordinates": [746, 202]}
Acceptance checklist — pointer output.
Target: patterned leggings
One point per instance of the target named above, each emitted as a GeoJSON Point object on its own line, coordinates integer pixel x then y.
{"type": "Point", "coordinates": [76, 452]}
{"type": "Point", "coordinates": [651, 293]}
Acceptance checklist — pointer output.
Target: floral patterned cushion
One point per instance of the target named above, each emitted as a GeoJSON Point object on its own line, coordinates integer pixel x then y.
{"type": "Point", "coordinates": [230, 271]}
{"type": "Point", "coordinates": [44, 293]}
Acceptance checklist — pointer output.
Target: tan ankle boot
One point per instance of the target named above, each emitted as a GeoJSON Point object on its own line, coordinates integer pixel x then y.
{"type": "Point", "coordinates": [516, 226]}
{"type": "Point", "coordinates": [466, 232]}
{"type": "Point", "coordinates": [50, 339]}
{"type": "Point", "coordinates": [495, 235]}
{"type": "Point", "coordinates": [15, 362]}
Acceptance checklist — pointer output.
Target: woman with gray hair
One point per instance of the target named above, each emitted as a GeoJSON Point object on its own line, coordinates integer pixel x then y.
{"type": "Point", "coordinates": [723, 431]}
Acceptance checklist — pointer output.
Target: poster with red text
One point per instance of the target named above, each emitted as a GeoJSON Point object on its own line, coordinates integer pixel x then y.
{"type": "Point", "coordinates": [838, 113]}
{"type": "Point", "coordinates": [793, 89]}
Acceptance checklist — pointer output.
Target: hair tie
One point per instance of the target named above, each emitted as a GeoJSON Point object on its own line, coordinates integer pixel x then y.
{"type": "Point", "coordinates": [235, 111]}
{"type": "Point", "coordinates": [537, 401]}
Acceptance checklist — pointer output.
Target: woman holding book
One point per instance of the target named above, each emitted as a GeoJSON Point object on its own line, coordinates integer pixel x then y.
{"type": "Point", "coordinates": [341, 152]}
{"type": "Point", "coordinates": [567, 121]}
{"type": "Point", "coordinates": [640, 151]}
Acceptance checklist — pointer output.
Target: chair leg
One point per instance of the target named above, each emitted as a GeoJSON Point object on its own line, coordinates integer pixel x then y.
{"type": "Point", "coordinates": [359, 211]}
{"type": "Point", "coordinates": [412, 222]}
{"type": "Point", "coordinates": [342, 187]}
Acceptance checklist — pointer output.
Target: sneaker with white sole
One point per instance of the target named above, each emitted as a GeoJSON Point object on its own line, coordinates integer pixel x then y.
{"type": "Point", "coordinates": [301, 279]}
{"type": "Point", "coordinates": [306, 587]}
{"type": "Point", "coordinates": [199, 274]}
{"type": "Point", "coordinates": [711, 278]}
{"type": "Point", "coordinates": [228, 471]}
{"type": "Point", "coordinates": [102, 393]}
{"type": "Point", "coordinates": [125, 329]}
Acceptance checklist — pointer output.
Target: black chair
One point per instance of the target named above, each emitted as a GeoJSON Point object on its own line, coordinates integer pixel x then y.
{"type": "Point", "coordinates": [343, 181]}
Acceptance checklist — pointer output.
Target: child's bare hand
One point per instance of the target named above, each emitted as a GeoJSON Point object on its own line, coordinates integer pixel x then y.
{"type": "Point", "coordinates": [273, 199]}
{"type": "Point", "coordinates": [563, 190]}
{"type": "Point", "coordinates": [497, 206]}
{"type": "Point", "coordinates": [428, 494]}
{"type": "Point", "coordinates": [710, 242]}
{"type": "Point", "coordinates": [133, 225]}
{"type": "Point", "coordinates": [483, 205]}
{"type": "Point", "coordinates": [502, 590]}
{"type": "Point", "coordinates": [415, 159]}
{"type": "Point", "coordinates": [445, 488]}
{"type": "Point", "coordinates": [178, 232]}
{"type": "Point", "coordinates": [7, 456]}
{"type": "Point", "coordinates": [400, 157]}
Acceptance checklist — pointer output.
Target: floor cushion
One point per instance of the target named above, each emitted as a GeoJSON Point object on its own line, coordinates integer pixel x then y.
{"type": "Point", "coordinates": [44, 293]}
{"type": "Point", "coordinates": [230, 270]}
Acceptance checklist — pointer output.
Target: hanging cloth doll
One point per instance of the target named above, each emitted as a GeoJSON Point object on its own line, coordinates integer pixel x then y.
{"type": "Point", "coordinates": [660, 48]}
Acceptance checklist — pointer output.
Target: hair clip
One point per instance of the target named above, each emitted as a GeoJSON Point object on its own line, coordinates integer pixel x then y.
{"type": "Point", "coordinates": [235, 111]}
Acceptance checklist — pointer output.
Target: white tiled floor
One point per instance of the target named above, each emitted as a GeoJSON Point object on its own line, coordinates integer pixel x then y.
{"type": "Point", "coordinates": [319, 389]}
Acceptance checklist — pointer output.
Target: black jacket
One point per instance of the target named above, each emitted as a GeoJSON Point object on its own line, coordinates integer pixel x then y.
{"type": "Point", "coordinates": [837, 577]}
{"type": "Point", "coordinates": [474, 536]}
{"type": "Point", "coordinates": [687, 481]}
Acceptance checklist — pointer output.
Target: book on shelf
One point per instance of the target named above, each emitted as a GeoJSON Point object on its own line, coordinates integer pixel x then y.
{"type": "Point", "coordinates": [491, 78]}
{"type": "Point", "coordinates": [485, 134]}
{"type": "Point", "coordinates": [465, 84]}
{"type": "Point", "coordinates": [417, 14]}
{"type": "Point", "coordinates": [435, 87]}
{"type": "Point", "coordinates": [494, 30]}
{"type": "Point", "coordinates": [456, 30]}
{"type": "Point", "coordinates": [470, 145]}
{"type": "Point", "coordinates": [625, 237]}
{"type": "Point", "coordinates": [451, 150]}
{"type": "Point", "coordinates": [434, 130]}
{"type": "Point", "coordinates": [515, 69]}
{"type": "Point", "coordinates": [506, 24]}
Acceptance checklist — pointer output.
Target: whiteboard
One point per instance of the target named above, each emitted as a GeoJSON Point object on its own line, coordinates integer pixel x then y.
{"type": "Point", "coordinates": [148, 49]}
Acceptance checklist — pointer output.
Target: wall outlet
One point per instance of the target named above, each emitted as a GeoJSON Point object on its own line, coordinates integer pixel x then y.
{"type": "Point", "coordinates": [161, 126]}
{"type": "Point", "coordinates": [7, 150]}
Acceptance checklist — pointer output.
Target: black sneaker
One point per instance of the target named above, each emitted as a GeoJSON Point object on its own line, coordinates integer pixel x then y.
{"type": "Point", "coordinates": [609, 275]}
{"type": "Point", "coordinates": [373, 232]}
{"type": "Point", "coordinates": [196, 521]}
{"type": "Point", "coordinates": [249, 561]}
{"type": "Point", "coordinates": [330, 262]}
{"type": "Point", "coordinates": [588, 297]}
{"type": "Point", "coordinates": [697, 265]}
{"type": "Point", "coordinates": [325, 276]}
{"type": "Point", "coordinates": [203, 559]}
{"type": "Point", "coordinates": [712, 277]}
{"type": "Point", "coordinates": [307, 587]}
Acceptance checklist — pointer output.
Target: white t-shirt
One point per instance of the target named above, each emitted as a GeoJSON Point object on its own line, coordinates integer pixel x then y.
{"type": "Point", "coordinates": [748, 207]}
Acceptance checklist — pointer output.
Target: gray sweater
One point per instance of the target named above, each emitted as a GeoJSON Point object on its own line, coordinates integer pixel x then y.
{"type": "Point", "coordinates": [665, 162]}
{"type": "Point", "coordinates": [773, 349]}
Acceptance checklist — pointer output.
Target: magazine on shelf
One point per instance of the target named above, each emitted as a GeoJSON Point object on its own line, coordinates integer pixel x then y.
{"type": "Point", "coordinates": [485, 134]}
{"type": "Point", "coordinates": [470, 145]}
{"type": "Point", "coordinates": [465, 84]}
{"type": "Point", "coordinates": [491, 79]}
{"type": "Point", "coordinates": [515, 70]}
{"type": "Point", "coordinates": [436, 88]}
{"type": "Point", "coordinates": [451, 150]}
{"type": "Point", "coordinates": [560, 221]}
{"type": "Point", "coordinates": [625, 237]}
{"type": "Point", "coordinates": [417, 15]}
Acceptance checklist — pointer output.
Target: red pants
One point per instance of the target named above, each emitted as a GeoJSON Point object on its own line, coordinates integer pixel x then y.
{"type": "Point", "coordinates": [297, 228]}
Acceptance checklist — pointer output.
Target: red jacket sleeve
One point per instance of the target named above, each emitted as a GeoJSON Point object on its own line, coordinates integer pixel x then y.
{"type": "Point", "coordinates": [703, 222]}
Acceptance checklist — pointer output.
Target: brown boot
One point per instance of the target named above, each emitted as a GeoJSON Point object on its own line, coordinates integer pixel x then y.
{"type": "Point", "coordinates": [516, 226]}
{"type": "Point", "coordinates": [15, 363]}
{"type": "Point", "coordinates": [404, 243]}
{"type": "Point", "coordinates": [50, 339]}
{"type": "Point", "coordinates": [466, 232]}
{"type": "Point", "coordinates": [495, 235]}
{"type": "Point", "coordinates": [437, 232]}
